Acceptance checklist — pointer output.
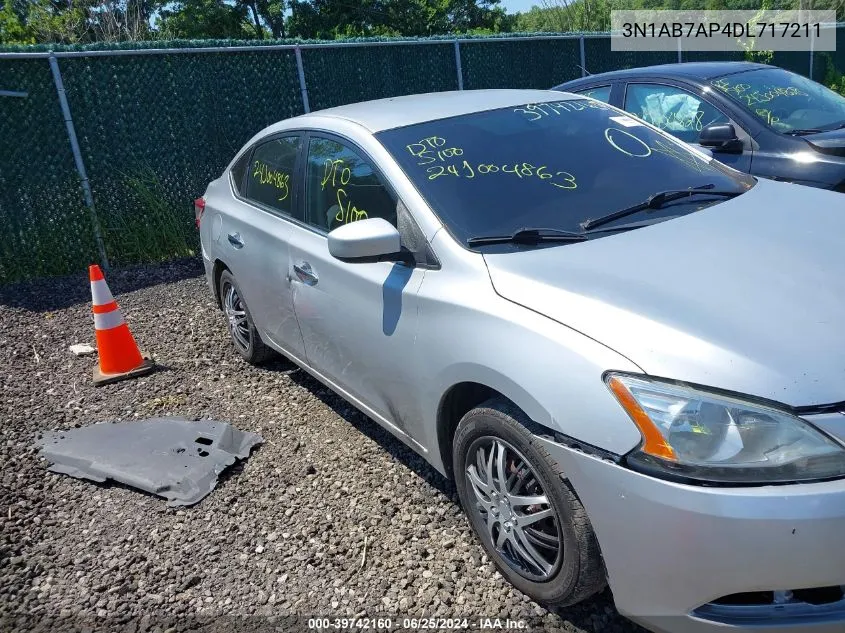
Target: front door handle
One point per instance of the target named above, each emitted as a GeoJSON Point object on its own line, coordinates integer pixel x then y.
{"type": "Point", "coordinates": [305, 273]}
{"type": "Point", "coordinates": [235, 240]}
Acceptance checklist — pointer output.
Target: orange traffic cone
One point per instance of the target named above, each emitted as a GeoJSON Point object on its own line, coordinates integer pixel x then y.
{"type": "Point", "coordinates": [120, 357]}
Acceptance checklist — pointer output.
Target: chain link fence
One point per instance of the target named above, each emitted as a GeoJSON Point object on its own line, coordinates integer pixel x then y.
{"type": "Point", "coordinates": [153, 123]}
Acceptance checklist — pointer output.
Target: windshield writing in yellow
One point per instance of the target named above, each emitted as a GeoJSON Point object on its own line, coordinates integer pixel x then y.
{"type": "Point", "coordinates": [560, 179]}
{"type": "Point", "coordinates": [435, 149]}
{"type": "Point", "coordinates": [743, 93]}
{"type": "Point", "coordinates": [430, 150]}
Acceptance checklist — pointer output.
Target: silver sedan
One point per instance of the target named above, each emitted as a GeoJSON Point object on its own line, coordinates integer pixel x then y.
{"type": "Point", "coordinates": [629, 357]}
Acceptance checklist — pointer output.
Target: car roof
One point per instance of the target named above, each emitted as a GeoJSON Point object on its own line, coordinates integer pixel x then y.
{"type": "Point", "coordinates": [686, 70]}
{"type": "Point", "coordinates": [394, 112]}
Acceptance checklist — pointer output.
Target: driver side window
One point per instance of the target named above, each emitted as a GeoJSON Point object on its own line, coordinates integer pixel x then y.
{"type": "Point", "coordinates": [342, 187]}
{"type": "Point", "coordinates": [676, 111]}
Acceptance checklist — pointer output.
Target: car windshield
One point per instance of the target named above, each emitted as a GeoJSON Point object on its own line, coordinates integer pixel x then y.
{"type": "Point", "coordinates": [551, 166]}
{"type": "Point", "coordinates": [785, 101]}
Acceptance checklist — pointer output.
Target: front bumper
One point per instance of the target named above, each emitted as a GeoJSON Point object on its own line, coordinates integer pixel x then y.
{"type": "Point", "coordinates": [672, 549]}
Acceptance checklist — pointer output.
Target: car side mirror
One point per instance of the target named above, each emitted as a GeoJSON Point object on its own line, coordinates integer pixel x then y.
{"type": "Point", "coordinates": [720, 137]}
{"type": "Point", "coordinates": [368, 240]}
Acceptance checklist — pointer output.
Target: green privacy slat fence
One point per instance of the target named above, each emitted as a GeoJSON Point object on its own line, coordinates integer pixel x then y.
{"type": "Point", "coordinates": [519, 63]}
{"type": "Point", "coordinates": [45, 228]}
{"type": "Point", "coordinates": [154, 129]}
{"type": "Point", "coordinates": [339, 75]}
{"type": "Point", "coordinates": [156, 121]}
{"type": "Point", "coordinates": [601, 59]}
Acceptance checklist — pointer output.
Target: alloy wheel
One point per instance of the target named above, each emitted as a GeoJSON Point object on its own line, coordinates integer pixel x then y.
{"type": "Point", "coordinates": [236, 317]}
{"type": "Point", "coordinates": [514, 509]}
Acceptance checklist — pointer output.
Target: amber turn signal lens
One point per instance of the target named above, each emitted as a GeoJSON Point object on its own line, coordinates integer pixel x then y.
{"type": "Point", "coordinates": [653, 441]}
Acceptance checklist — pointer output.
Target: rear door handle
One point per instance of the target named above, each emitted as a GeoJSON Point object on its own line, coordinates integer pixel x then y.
{"type": "Point", "coordinates": [305, 273]}
{"type": "Point", "coordinates": [235, 240]}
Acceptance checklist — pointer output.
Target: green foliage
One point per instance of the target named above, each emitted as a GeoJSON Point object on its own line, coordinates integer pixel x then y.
{"type": "Point", "coordinates": [751, 54]}
{"type": "Point", "coordinates": [194, 19]}
{"type": "Point", "coordinates": [567, 16]}
{"type": "Point", "coordinates": [49, 23]}
{"type": "Point", "coordinates": [152, 229]}
{"type": "Point", "coordinates": [12, 28]}
{"type": "Point", "coordinates": [834, 78]}
{"type": "Point", "coordinates": [75, 21]}
{"type": "Point", "coordinates": [332, 19]}
{"type": "Point", "coordinates": [84, 21]}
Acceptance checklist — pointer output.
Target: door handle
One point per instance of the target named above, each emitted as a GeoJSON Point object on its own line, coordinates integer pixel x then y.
{"type": "Point", "coordinates": [305, 273]}
{"type": "Point", "coordinates": [235, 240]}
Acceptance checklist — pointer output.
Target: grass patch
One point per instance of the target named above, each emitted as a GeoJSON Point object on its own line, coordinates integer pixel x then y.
{"type": "Point", "coordinates": [154, 228]}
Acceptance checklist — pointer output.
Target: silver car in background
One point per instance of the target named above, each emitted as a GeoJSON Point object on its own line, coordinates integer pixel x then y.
{"type": "Point", "coordinates": [629, 357]}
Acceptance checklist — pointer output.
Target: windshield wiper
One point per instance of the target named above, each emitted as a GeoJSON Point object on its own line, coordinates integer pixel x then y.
{"type": "Point", "coordinates": [528, 236]}
{"type": "Point", "coordinates": [656, 201]}
{"type": "Point", "coordinates": [813, 130]}
{"type": "Point", "coordinates": [804, 132]}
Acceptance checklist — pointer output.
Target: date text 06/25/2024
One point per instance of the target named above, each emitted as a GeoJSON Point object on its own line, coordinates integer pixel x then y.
{"type": "Point", "coordinates": [415, 624]}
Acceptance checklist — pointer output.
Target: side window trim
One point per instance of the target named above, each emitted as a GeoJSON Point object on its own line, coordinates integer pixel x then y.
{"type": "Point", "coordinates": [237, 188]}
{"type": "Point", "coordinates": [295, 189]}
{"type": "Point", "coordinates": [617, 93]}
{"type": "Point", "coordinates": [349, 144]}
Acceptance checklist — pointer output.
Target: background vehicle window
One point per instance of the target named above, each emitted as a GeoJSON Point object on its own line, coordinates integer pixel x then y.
{"type": "Point", "coordinates": [602, 93]}
{"type": "Point", "coordinates": [238, 171]}
{"type": "Point", "coordinates": [342, 187]}
{"type": "Point", "coordinates": [269, 173]}
{"type": "Point", "coordinates": [676, 111]}
{"type": "Point", "coordinates": [783, 100]}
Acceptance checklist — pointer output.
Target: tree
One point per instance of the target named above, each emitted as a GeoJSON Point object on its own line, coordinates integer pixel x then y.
{"type": "Point", "coordinates": [329, 19]}
{"type": "Point", "coordinates": [13, 29]}
{"type": "Point", "coordinates": [119, 20]}
{"type": "Point", "coordinates": [198, 19]}
{"type": "Point", "coordinates": [273, 14]}
{"type": "Point", "coordinates": [55, 21]}
{"type": "Point", "coordinates": [565, 16]}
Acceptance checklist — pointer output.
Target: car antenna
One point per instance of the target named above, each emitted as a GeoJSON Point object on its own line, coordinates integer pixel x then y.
{"type": "Point", "coordinates": [584, 70]}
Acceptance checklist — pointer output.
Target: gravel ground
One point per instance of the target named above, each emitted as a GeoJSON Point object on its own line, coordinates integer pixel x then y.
{"type": "Point", "coordinates": [284, 533]}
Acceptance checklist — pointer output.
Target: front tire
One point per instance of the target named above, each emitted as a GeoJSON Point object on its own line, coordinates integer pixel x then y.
{"type": "Point", "coordinates": [528, 519]}
{"type": "Point", "coordinates": [245, 338]}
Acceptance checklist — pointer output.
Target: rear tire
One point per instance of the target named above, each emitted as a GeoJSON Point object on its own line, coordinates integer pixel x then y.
{"type": "Point", "coordinates": [521, 538]}
{"type": "Point", "coordinates": [245, 337]}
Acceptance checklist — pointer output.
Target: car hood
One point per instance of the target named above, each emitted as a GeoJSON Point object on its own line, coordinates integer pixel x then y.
{"type": "Point", "coordinates": [831, 142]}
{"type": "Point", "coordinates": [746, 295]}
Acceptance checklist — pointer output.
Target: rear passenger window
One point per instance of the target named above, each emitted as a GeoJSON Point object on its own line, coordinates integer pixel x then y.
{"type": "Point", "coordinates": [602, 93]}
{"type": "Point", "coordinates": [269, 178]}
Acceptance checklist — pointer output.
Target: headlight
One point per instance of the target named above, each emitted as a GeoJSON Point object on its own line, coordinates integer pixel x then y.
{"type": "Point", "coordinates": [695, 434]}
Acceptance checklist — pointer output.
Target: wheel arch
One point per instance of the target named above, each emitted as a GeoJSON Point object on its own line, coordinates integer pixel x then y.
{"type": "Point", "coordinates": [461, 397]}
{"type": "Point", "coordinates": [216, 272]}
